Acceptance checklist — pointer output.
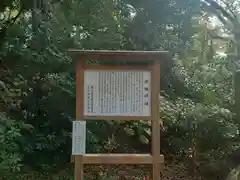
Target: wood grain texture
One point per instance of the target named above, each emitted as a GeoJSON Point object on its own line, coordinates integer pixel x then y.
{"type": "Point", "coordinates": [120, 55]}
{"type": "Point", "coordinates": [155, 120]}
{"type": "Point", "coordinates": [119, 67]}
{"type": "Point", "coordinates": [78, 162]}
{"type": "Point", "coordinates": [118, 118]}
{"type": "Point", "coordinates": [121, 159]}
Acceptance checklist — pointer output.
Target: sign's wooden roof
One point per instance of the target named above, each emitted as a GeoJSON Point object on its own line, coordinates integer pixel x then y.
{"type": "Point", "coordinates": [121, 55]}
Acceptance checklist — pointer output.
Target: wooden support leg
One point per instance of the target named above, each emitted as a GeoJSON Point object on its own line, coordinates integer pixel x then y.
{"type": "Point", "coordinates": [78, 168]}
{"type": "Point", "coordinates": [155, 150]}
{"type": "Point", "coordinates": [155, 121]}
{"type": "Point", "coordinates": [78, 164]}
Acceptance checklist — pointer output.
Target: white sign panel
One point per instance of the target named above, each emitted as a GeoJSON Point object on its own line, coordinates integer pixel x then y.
{"type": "Point", "coordinates": [117, 93]}
{"type": "Point", "coordinates": [79, 138]}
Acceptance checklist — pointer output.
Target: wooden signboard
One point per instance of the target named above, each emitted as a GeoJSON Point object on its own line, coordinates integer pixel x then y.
{"type": "Point", "coordinates": [117, 92]}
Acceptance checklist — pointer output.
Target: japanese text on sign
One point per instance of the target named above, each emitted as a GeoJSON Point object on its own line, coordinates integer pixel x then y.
{"type": "Point", "coordinates": [117, 93]}
{"type": "Point", "coordinates": [79, 138]}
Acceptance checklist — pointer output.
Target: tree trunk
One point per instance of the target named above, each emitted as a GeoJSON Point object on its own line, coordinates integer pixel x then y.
{"type": "Point", "coordinates": [237, 97]}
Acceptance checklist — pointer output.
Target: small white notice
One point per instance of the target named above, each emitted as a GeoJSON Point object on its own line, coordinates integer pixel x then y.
{"type": "Point", "coordinates": [117, 93]}
{"type": "Point", "coordinates": [79, 138]}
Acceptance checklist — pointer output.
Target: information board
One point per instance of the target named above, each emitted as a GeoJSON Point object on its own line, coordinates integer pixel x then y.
{"type": "Point", "coordinates": [79, 138]}
{"type": "Point", "coordinates": [117, 93]}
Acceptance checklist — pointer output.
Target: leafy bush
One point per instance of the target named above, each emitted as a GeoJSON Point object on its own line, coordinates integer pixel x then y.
{"type": "Point", "coordinates": [10, 145]}
{"type": "Point", "coordinates": [38, 81]}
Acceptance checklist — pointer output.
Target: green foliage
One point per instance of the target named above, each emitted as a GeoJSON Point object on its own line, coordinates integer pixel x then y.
{"type": "Point", "coordinates": [10, 144]}
{"type": "Point", "coordinates": [38, 82]}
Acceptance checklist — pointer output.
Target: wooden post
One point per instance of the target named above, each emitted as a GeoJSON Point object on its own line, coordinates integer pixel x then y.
{"type": "Point", "coordinates": [78, 168]}
{"type": "Point", "coordinates": [155, 120]}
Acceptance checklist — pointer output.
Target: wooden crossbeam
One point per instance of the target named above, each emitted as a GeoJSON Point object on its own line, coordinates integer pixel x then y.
{"type": "Point", "coordinates": [117, 118]}
{"type": "Point", "coordinates": [120, 159]}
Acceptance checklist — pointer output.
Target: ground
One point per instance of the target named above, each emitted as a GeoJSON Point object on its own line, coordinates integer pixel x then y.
{"type": "Point", "coordinates": [172, 171]}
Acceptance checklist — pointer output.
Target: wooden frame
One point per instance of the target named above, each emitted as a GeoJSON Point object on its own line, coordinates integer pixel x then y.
{"type": "Point", "coordinates": [110, 67]}
{"type": "Point", "coordinates": [123, 67]}
{"type": "Point", "coordinates": [120, 159]}
{"type": "Point", "coordinates": [121, 55]}
{"type": "Point", "coordinates": [153, 57]}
